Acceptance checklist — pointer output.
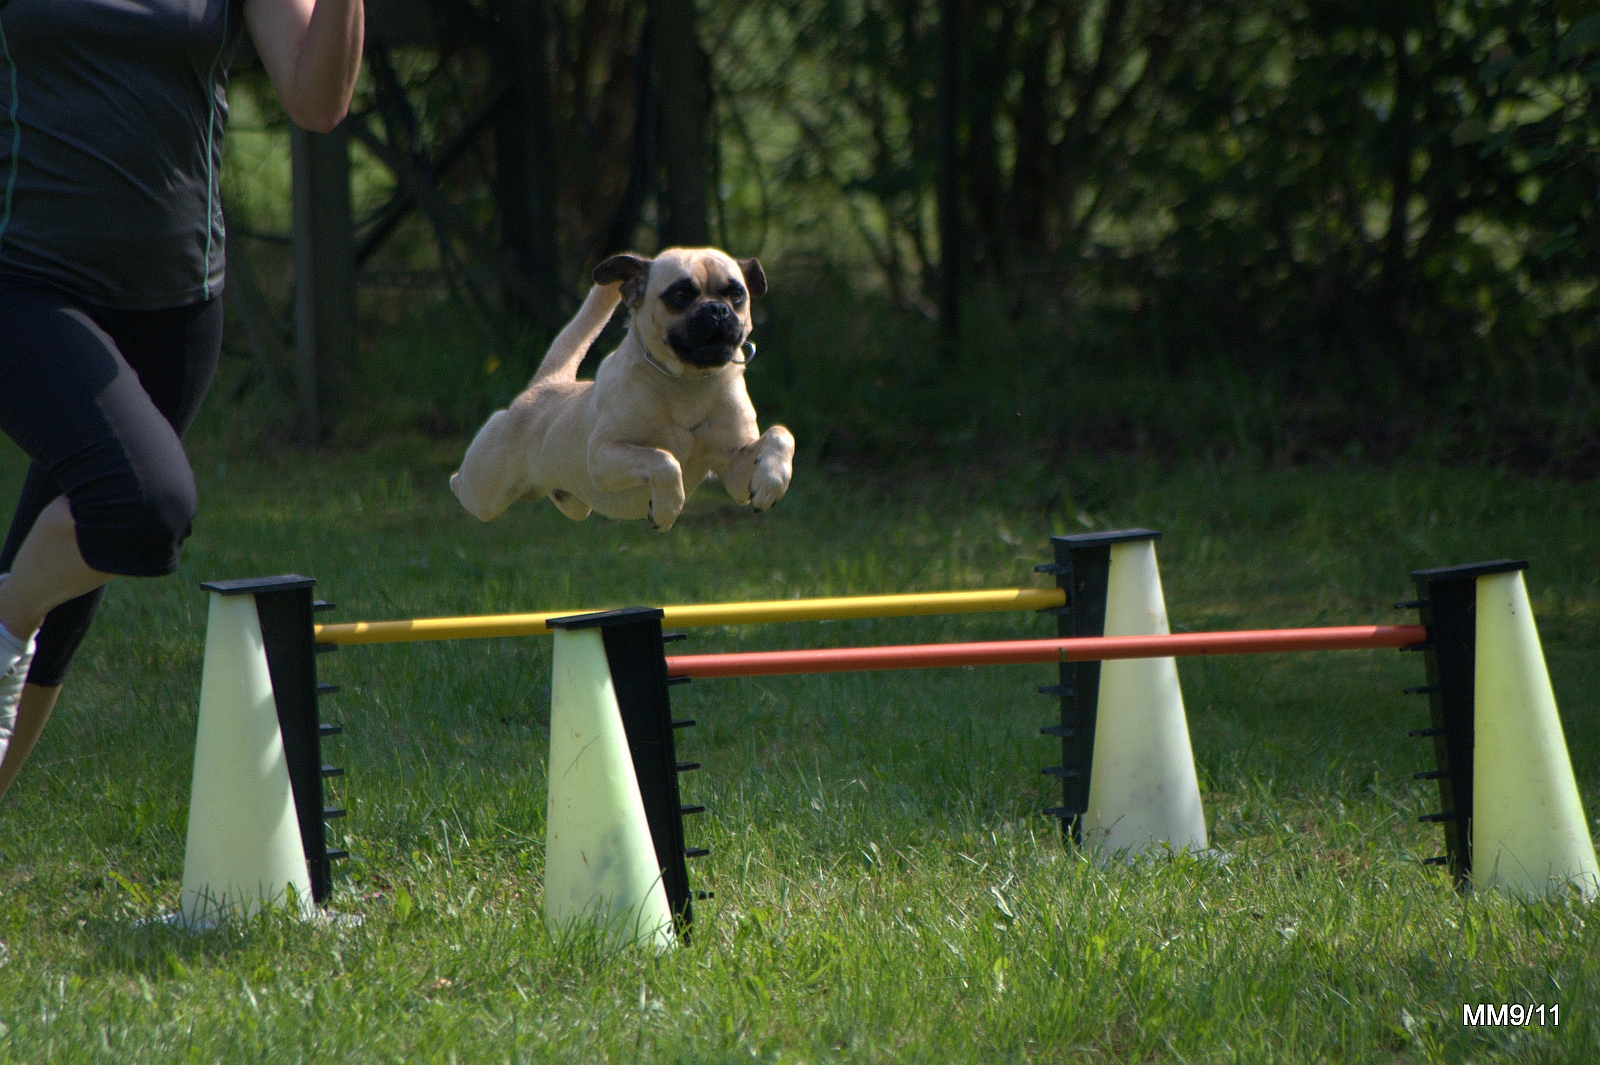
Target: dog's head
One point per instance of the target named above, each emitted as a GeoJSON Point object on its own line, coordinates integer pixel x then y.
{"type": "Point", "coordinates": [691, 306]}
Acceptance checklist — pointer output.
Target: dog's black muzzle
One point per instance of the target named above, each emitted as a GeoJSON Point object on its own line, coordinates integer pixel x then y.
{"type": "Point", "coordinates": [708, 336]}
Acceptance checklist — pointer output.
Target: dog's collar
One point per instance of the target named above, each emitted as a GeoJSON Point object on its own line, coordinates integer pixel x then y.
{"type": "Point", "coordinates": [748, 348]}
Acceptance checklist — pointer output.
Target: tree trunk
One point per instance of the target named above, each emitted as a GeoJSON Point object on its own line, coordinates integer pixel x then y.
{"type": "Point", "coordinates": [524, 170]}
{"type": "Point", "coordinates": [952, 231]}
{"type": "Point", "coordinates": [683, 84]}
{"type": "Point", "coordinates": [324, 272]}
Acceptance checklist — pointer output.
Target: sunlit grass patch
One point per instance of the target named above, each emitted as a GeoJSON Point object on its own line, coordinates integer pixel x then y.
{"type": "Point", "coordinates": [884, 884]}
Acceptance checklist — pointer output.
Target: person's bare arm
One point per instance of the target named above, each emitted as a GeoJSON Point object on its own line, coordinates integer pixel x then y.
{"type": "Point", "coordinates": [312, 52]}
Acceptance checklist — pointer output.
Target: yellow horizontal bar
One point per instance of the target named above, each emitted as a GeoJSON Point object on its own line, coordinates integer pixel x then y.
{"type": "Point", "coordinates": [855, 606]}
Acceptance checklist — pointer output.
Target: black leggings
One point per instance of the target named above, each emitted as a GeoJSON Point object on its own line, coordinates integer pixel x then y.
{"type": "Point", "coordinates": [99, 399]}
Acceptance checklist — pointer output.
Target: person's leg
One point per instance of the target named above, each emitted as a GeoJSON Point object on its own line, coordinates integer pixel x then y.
{"type": "Point", "coordinates": [174, 355]}
{"type": "Point", "coordinates": [48, 571]}
{"type": "Point", "coordinates": [171, 356]}
{"type": "Point", "coordinates": [144, 374]}
{"type": "Point", "coordinates": [33, 713]}
{"type": "Point", "coordinates": [55, 643]}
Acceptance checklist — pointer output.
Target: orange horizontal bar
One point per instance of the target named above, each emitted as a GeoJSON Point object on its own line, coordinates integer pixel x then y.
{"type": "Point", "coordinates": [1072, 649]}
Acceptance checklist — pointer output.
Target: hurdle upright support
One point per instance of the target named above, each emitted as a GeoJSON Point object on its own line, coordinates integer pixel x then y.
{"type": "Point", "coordinates": [1127, 769]}
{"type": "Point", "coordinates": [1082, 569]}
{"type": "Point", "coordinates": [285, 607]}
{"type": "Point", "coordinates": [1447, 606]}
{"type": "Point", "coordinates": [633, 641]}
{"type": "Point", "coordinates": [1509, 802]}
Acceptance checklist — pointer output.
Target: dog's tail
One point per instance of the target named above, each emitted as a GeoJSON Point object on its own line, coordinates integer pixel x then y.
{"type": "Point", "coordinates": [572, 343]}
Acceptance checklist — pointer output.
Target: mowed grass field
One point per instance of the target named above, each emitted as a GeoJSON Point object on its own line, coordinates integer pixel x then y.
{"type": "Point", "coordinates": [885, 886]}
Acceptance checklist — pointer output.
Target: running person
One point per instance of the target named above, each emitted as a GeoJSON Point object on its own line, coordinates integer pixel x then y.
{"type": "Point", "coordinates": [111, 268]}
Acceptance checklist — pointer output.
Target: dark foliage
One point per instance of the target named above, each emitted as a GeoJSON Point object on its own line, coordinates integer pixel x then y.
{"type": "Point", "coordinates": [1336, 225]}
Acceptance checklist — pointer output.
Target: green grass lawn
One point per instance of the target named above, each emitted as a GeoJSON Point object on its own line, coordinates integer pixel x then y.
{"type": "Point", "coordinates": [885, 886]}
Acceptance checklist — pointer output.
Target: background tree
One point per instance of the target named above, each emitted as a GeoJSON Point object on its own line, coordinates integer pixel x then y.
{"type": "Point", "coordinates": [1375, 216]}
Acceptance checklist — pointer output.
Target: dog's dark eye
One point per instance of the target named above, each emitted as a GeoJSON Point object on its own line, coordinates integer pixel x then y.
{"type": "Point", "coordinates": [679, 296]}
{"type": "Point", "coordinates": [734, 293]}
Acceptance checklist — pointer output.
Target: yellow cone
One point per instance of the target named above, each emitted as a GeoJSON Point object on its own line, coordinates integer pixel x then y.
{"type": "Point", "coordinates": [244, 846]}
{"type": "Point", "coordinates": [600, 864]}
{"type": "Point", "coordinates": [1143, 793]}
{"type": "Point", "coordinates": [1529, 834]}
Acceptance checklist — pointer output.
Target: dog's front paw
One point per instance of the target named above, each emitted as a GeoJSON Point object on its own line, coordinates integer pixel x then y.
{"type": "Point", "coordinates": [767, 487]}
{"type": "Point", "coordinates": [663, 517]}
{"type": "Point", "coordinates": [759, 472]}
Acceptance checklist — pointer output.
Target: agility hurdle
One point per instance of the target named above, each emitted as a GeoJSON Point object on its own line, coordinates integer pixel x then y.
{"type": "Point", "coordinates": [1497, 736]}
{"type": "Point", "coordinates": [290, 641]}
{"type": "Point", "coordinates": [1467, 685]}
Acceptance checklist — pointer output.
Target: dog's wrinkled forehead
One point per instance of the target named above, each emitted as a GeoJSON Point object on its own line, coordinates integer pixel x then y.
{"type": "Point", "coordinates": [680, 282]}
{"type": "Point", "coordinates": [678, 278]}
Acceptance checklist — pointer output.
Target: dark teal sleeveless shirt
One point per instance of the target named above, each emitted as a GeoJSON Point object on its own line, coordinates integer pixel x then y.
{"type": "Point", "coordinates": [111, 121]}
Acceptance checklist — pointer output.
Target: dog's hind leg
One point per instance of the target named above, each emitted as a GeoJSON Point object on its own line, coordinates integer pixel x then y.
{"type": "Point", "coordinates": [570, 505]}
{"type": "Point", "coordinates": [759, 472]}
{"type": "Point", "coordinates": [490, 478]}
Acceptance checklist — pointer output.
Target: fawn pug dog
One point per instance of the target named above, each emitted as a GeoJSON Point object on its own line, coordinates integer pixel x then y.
{"type": "Point", "coordinates": [665, 409]}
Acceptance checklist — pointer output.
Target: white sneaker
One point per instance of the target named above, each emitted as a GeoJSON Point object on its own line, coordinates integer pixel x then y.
{"type": "Point", "coordinates": [11, 683]}
{"type": "Point", "coordinates": [11, 694]}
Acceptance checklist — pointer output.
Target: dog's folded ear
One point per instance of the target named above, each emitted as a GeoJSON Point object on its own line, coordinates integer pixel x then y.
{"type": "Point", "coordinates": [629, 269]}
{"type": "Point", "coordinates": [755, 279]}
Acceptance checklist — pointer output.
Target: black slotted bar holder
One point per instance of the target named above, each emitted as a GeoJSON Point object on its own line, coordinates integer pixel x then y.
{"type": "Point", "coordinates": [1447, 602]}
{"type": "Point", "coordinates": [1082, 569]}
{"type": "Point", "coordinates": [633, 641]}
{"type": "Point", "coordinates": [285, 608]}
